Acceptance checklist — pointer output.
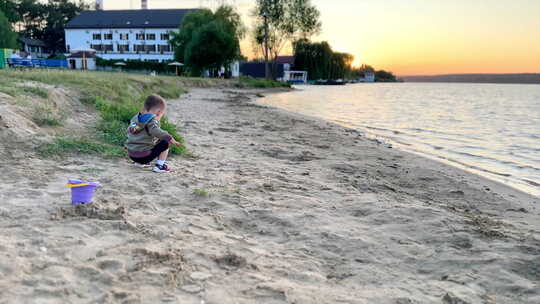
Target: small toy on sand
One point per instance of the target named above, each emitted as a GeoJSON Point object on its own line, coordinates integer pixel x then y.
{"type": "Point", "coordinates": [82, 192]}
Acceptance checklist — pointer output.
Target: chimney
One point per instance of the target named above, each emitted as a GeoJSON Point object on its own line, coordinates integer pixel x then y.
{"type": "Point", "coordinates": [99, 5]}
{"type": "Point", "coordinates": [144, 4]}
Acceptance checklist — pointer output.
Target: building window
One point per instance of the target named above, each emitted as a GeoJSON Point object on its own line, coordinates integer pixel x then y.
{"type": "Point", "coordinates": [124, 36]}
{"type": "Point", "coordinates": [138, 48]}
{"type": "Point", "coordinates": [107, 36]}
{"type": "Point", "coordinates": [164, 48]}
{"type": "Point", "coordinates": [108, 47]}
{"type": "Point", "coordinates": [165, 37]}
{"type": "Point", "coordinates": [96, 47]}
{"type": "Point", "coordinates": [150, 48]}
{"type": "Point", "coordinates": [139, 36]}
{"type": "Point", "coordinates": [123, 48]}
{"type": "Point", "coordinates": [96, 36]}
{"type": "Point", "coordinates": [150, 36]}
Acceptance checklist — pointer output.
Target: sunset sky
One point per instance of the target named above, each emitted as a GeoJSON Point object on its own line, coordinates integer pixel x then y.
{"type": "Point", "coordinates": [412, 37]}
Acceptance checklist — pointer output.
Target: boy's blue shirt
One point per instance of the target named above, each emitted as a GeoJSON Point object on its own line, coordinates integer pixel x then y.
{"type": "Point", "coordinates": [146, 117]}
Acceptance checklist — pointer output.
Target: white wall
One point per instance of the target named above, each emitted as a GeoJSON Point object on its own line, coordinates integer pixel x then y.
{"type": "Point", "coordinates": [90, 63]}
{"type": "Point", "coordinates": [83, 38]}
{"type": "Point", "coordinates": [235, 69]}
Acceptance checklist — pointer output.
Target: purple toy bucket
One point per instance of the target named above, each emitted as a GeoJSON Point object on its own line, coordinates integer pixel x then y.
{"type": "Point", "coordinates": [82, 192]}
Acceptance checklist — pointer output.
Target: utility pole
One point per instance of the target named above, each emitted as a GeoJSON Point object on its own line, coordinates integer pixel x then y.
{"type": "Point", "coordinates": [266, 63]}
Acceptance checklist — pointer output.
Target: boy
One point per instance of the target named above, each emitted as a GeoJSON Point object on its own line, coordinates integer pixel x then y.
{"type": "Point", "coordinates": [146, 140]}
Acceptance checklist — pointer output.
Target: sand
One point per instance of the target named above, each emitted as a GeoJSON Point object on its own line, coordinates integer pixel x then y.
{"type": "Point", "coordinates": [273, 207]}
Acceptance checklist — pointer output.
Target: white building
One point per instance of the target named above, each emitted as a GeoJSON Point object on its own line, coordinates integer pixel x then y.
{"type": "Point", "coordinates": [126, 34]}
{"type": "Point", "coordinates": [296, 77]}
{"type": "Point", "coordinates": [33, 47]}
{"type": "Point", "coordinates": [368, 77]}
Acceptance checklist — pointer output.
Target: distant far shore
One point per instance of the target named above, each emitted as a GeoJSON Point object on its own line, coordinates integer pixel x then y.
{"type": "Point", "coordinates": [524, 78]}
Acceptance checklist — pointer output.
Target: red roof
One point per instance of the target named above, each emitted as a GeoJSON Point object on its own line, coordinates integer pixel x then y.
{"type": "Point", "coordinates": [285, 59]}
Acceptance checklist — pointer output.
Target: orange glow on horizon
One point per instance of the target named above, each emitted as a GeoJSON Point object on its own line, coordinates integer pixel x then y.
{"type": "Point", "coordinates": [413, 37]}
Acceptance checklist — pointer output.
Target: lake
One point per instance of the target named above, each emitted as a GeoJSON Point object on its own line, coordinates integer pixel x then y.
{"type": "Point", "coordinates": [489, 129]}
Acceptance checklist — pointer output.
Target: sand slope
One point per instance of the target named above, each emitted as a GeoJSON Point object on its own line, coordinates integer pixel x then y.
{"type": "Point", "coordinates": [297, 211]}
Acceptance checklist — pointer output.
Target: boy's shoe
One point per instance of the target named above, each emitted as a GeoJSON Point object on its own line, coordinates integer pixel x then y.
{"type": "Point", "coordinates": [141, 165]}
{"type": "Point", "coordinates": [161, 169]}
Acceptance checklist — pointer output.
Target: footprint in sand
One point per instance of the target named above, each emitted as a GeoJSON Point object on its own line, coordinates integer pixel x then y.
{"type": "Point", "coordinates": [110, 265]}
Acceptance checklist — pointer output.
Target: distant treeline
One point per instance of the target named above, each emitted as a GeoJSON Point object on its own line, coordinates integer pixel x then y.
{"type": "Point", "coordinates": [477, 78]}
{"type": "Point", "coordinates": [321, 62]}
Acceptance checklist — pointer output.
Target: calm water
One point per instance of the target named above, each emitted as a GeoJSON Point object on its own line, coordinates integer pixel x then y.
{"type": "Point", "coordinates": [490, 129]}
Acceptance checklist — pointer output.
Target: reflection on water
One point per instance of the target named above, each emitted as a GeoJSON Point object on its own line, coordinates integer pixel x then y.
{"type": "Point", "coordinates": [491, 129]}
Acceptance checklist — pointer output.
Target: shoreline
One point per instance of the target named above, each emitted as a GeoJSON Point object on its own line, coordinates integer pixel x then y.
{"type": "Point", "coordinates": [520, 184]}
{"type": "Point", "coordinates": [454, 164]}
{"type": "Point", "coordinates": [273, 207]}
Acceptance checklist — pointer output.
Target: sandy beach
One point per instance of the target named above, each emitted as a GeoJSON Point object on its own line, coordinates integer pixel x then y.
{"type": "Point", "coordinates": [272, 207]}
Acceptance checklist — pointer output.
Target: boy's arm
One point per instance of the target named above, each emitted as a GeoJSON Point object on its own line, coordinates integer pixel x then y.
{"type": "Point", "coordinates": [156, 131]}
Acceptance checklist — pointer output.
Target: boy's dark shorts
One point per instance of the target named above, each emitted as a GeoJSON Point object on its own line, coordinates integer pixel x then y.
{"type": "Point", "coordinates": [161, 146]}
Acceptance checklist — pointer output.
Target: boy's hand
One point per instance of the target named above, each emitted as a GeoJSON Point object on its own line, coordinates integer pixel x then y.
{"type": "Point", "coordinates": [175, 143]}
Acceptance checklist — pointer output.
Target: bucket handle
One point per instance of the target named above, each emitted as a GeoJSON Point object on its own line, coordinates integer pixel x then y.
{"type": "Point", "coordinates": [77, 185]}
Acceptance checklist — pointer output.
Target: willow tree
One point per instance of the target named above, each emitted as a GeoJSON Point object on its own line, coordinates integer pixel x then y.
{"type": "Point", "coordinates": [209, 40]}
{"type": "Point", "coordinates": [279, 23]}
{"type": "Point", "coordinates": [320, 61]}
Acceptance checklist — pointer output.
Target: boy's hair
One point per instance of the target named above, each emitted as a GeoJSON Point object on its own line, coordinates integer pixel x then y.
{"type": "Point", "coordinates": [154, 101]}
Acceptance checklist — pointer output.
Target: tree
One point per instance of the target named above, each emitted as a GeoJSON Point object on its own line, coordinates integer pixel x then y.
{"type": "Point", "coordinates": [9, 7]}
{"type": "Point", "coordinates": [320, 61]}
{"type": "Point", "coordinates": [8, 38]}
{"type": "Point", "coordinates": [384, 76]}
{"type": "Point", "coordinates": [286, 22]}
{"type": "Point", "coordinates": [59, 12]}
{"type": "Point", "coordinates": [209, 40]}
{"type": "Point", "coordinates": [44, 21]}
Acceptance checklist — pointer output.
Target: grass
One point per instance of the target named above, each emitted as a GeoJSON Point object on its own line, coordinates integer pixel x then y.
{"type": "Point", "coordinates": [249, 82]}
{"type": "Point", "coordinates": [201, 192]}
{"type": "Point", "coordinates": [11, 88]}
{"type": "Point", "coordinates": [13, 92]}
{"type": "Point", "coordinates": [66, 145]}
{"type": "Point", "coordinates": [117, 97]}
{"type": "Point", "coordinates": [36, 91]}
{"type": "Point", "coordinates": [45, 116]}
